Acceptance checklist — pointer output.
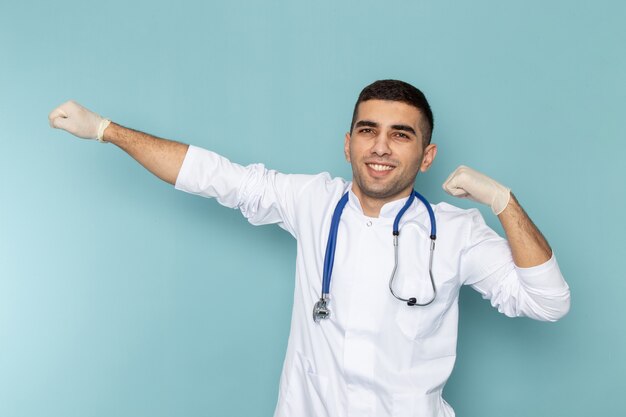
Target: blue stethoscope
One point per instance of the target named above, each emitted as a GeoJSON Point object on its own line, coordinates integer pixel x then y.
{"type": "Point", "coordinates": [320, 310]}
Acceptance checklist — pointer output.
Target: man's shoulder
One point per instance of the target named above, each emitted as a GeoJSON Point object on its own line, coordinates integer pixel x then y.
{"type": "Point", "coordinates": [450, 212]}
{"type": "Point", "coordinates": [319, 184]}
{"type": "Point", "coordinates": [443, 207]}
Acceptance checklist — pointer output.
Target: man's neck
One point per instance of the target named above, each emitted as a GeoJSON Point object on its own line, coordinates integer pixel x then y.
{"type": "Point", "coordinates": [371, 206]}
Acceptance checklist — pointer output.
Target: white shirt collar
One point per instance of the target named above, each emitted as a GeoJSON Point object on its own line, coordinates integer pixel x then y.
{"type": "Point", "coordinates": [388, 210]}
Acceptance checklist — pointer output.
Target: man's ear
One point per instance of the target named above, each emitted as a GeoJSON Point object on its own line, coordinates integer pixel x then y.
{"type": "Point", "coordinates": [429, 156]}
{"type": "Point", "coordinates": [346, 147]}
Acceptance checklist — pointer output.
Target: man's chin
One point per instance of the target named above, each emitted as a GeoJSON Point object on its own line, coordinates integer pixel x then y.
{"type": "Point", "coordinates": [384, 193]}
{"type": "Point", "coordinates": [381, 190]}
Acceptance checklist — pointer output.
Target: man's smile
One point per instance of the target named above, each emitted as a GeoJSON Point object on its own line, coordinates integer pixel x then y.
{"type": "Point", "coordinates": [380, 167]}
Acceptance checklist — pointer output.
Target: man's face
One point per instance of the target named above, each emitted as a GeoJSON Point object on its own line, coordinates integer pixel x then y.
{"type": "Point", "coordinates": [386, 150]}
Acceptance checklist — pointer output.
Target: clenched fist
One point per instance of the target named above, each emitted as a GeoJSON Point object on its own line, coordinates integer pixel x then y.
{"type": "Point", "coordinates": [79, 121]}
{"type": "Point", "coordinates": [465, 182]}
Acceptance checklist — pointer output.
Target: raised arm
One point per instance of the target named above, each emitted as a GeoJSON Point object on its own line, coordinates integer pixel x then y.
{"type": "Point", "coordinates": [528, 246]}
{"type": "Point", "coordinates": [162, 157]}
{"type": "Point", "coordinates": [535, 287]}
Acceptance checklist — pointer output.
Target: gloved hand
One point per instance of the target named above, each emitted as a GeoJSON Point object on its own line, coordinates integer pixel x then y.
{"type": "Point", "coordinates": [79, 121]}
{"type": "Point", "coordinates": [465, 182]}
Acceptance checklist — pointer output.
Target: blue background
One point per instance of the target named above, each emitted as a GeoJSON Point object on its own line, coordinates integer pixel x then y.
{"type": "Point", "coordinates": [121, 296]}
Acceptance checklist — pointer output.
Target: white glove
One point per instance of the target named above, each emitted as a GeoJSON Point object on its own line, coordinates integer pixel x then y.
{"type": "Point", "coordinates": [79, 121]}
{"type": "Point", "coordinates": [465, 182]}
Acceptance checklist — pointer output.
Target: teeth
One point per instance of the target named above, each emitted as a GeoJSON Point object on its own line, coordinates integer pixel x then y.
{"type": "Point", "coordinates": [378, 167]}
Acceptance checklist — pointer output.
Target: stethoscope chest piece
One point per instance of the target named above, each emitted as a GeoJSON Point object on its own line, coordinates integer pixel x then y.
{"type": "Point", "coordinates": [321, 310]}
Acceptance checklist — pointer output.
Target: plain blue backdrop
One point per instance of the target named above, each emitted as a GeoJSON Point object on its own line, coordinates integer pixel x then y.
{"type": "Point", "coordinates": [121, 296]}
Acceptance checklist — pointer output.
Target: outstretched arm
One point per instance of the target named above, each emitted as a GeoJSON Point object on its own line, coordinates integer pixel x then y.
{"type": "Point", "coordinates": [528, 246]}
{"type": "Point", "coordinates": [162, 157]}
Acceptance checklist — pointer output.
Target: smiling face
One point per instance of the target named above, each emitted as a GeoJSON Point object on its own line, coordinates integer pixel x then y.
{"type": "Point", "coordinates": [386, 150]}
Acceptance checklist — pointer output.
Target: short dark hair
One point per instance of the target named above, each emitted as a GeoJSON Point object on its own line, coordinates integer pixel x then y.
{"type": "Point", "coordinates": [395, 90]}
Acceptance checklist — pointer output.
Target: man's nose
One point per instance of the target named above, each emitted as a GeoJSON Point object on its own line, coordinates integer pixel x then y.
{"type": "Point", "coordinates": [381, 145]}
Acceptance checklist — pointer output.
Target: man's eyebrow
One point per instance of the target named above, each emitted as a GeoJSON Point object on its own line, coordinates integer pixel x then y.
{"type": "Point", "coordinates": [367, 123]}
{"type": "Point", "coordinates": [404, 128]}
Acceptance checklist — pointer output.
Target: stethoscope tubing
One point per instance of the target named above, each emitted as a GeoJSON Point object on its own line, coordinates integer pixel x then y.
{"type": "Point", "coordinates": [413, 301]}
{"type": "Point", "coordinates": [329, 258]}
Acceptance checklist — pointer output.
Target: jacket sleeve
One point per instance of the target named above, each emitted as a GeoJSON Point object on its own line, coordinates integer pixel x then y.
{"type": "Point", "coordinates": [539, 292]}
{"type": "Point", "coordinates": [263, 196]}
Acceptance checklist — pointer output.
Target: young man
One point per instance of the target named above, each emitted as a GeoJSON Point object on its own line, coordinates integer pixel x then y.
{"type": "Point", "coordinates": [366, 353]}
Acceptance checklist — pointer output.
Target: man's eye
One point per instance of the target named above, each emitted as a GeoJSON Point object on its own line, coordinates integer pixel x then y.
{"type": "Point", "coordinates": [366, 130]}
{"type": "Point", "coordinates": [402, 135]}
